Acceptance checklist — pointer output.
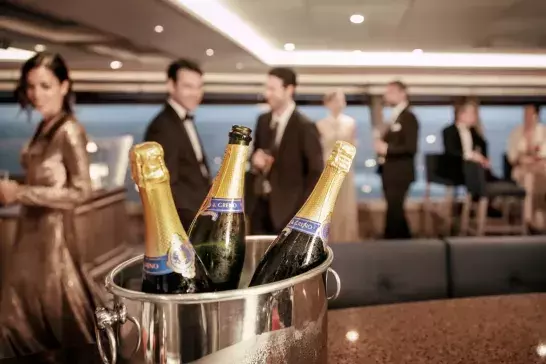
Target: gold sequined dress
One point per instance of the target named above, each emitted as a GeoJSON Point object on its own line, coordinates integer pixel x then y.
{"type": "Point", "coordinates": [44, 303]}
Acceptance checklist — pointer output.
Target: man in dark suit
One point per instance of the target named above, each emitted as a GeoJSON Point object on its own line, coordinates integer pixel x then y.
{"type": "Point", "coordinates": [287, 158]}
{"type": "Point", "coordinates": [397, 149]}
{"type": "Point", "coordinates": [175, 130]}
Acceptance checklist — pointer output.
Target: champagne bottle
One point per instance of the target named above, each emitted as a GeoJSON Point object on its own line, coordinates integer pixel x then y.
{"type": "Point", "coordinates": [170, 262]}
{"type": "Point", "coordinates": [301, 246]}
{"type": "Point", "coordinates": [218, 230]}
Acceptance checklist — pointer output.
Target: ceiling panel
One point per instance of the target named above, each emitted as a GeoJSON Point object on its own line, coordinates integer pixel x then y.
{"type": "Point", "coordinates": [528, 9]}
{"type": "Point", "coordinates": [438, 25]}
{"type": "Point", "coordinates": [466, 3]}
{"type": "Point", "coordinates": [312, 24]}
{"type": "Point", "coordinates": [134, 21]}
{"type": "Point", "coordinates": [355, 3]}
{"type": "Point", "coordinates": [337, 17]}
{"type": "Point", "coordinates": [244, 6]}
{"type": "Point", "coordinates": [390, 25]}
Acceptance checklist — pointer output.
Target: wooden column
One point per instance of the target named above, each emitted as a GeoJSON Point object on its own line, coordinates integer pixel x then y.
{"type": "Point", "coordinates": [376, 110]}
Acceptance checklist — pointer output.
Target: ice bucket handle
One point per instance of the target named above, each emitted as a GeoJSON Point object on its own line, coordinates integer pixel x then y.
{"type": "Point", "coordinates": [105, 319]}
{"type": "Point", "coordinates": [338, 284]}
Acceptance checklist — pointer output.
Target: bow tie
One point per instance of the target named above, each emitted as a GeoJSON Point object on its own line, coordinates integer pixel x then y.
{"type": "Point", "coordinates": [189, 117]}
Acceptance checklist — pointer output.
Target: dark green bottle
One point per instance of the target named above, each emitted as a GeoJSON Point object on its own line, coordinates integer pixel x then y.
{"type": "Point", "coordinates": [218, 230]}
{"type": "Point", "coordinates": [170, 262]}
{"type": "Point", "coordinates": [301, 246]}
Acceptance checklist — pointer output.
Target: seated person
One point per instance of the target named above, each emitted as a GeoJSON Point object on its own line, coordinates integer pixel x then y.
{"type": "Point", "coordinates": [462, 140]}
{"type": "Point", "coordinates": [526, 151]}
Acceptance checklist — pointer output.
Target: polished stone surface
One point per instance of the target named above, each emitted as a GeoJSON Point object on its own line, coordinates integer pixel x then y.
{"type": "Point", "coordinates": [485, 330]}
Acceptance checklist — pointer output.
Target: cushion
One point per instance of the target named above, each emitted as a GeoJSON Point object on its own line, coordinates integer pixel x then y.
{"type": "Point", "coordinates": [503, 188]}
{"type": "Point", "coordinates": [389, 271]}
{"type": "Point", "coordinates": [496, 265]}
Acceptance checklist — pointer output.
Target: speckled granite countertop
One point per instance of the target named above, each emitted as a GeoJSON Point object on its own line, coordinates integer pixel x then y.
{"type": "Point", "coordinates": [485, 330]}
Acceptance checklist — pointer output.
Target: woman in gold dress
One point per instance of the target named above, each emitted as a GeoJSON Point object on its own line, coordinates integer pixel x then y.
{"type": "Point", "coordinates": [44, 303]}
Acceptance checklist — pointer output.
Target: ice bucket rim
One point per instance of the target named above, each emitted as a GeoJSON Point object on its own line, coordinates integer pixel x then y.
{"type": "Point", "coordinates": [198, 298]}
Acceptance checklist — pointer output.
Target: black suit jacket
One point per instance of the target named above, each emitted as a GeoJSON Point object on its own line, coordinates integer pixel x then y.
{"type": "Point", "coordinates": [297, 167]}
{"type": "Point", "coordinates": [453, 166]}
{"type": "Point", "coordinates": [188, 184]}
{"type": "Point", "coordinates": [453, 145]}
{"type": "Point", "coordinates": [402, 137]}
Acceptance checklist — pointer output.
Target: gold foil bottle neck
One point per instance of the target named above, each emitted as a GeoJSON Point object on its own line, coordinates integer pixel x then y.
{"type": "Point", "coordinates": [342, 156]}
{"type": "Point", "coordinates": [166, 239]}
{"type": "Point", "coordinates": [148, 164]}
{"type": "Point", "coordinates": [320, 204]}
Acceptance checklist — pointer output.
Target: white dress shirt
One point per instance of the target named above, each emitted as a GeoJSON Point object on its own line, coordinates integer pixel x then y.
{"type": "Point", "coordinates": [192, 134]}
{"type": "Point", "coordinates": [466, 141]}
{"type": "Point", "coordinates": [281, 121]}
{"type": "Point", "coordinates": [397, 110]}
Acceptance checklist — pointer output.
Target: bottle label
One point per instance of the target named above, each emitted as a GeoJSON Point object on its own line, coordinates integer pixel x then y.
{"type": "Point", "coordinates": [325, 231]}
{"type": "Point", "coordinates": [180, 258]}
{"type": "Point", "coordinates": [304, 225]}
{"type": "Point", "coordinates": [310, 227]}
{"type": "Point", "coordinates": [225, 205]}
{"type": "Point", "coordinates": [156, 265]}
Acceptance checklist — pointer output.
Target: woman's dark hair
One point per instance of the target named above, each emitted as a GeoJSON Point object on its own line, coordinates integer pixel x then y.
{"type": "Point", "coordinates": [53, 62]}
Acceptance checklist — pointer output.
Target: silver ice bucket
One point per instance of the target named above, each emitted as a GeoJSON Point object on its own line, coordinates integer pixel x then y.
{"type": "Point", "coordinates": [282, 322]}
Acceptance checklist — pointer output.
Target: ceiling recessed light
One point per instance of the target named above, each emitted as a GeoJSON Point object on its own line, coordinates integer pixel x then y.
{"type": "Point", "coordinates": [357, 18]}
{"type": "Point", "coordinates": [289, 47]}
{"type": "Point", "coordinates": [39, 47]}
{"type": "Point", "coordinates": [116, 65]}
{"type": "Point", "coordinates": [417, 51]}
{"type": "Point", "coordinates": [239, 66]}
{"type": "Point", "coordinates": [210, 52]}
{"type": "Point", "coordinates": [158, 28]}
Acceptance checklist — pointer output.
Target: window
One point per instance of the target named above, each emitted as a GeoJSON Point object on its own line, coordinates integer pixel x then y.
{"type": "Point", "coordinates": [214, 123]}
